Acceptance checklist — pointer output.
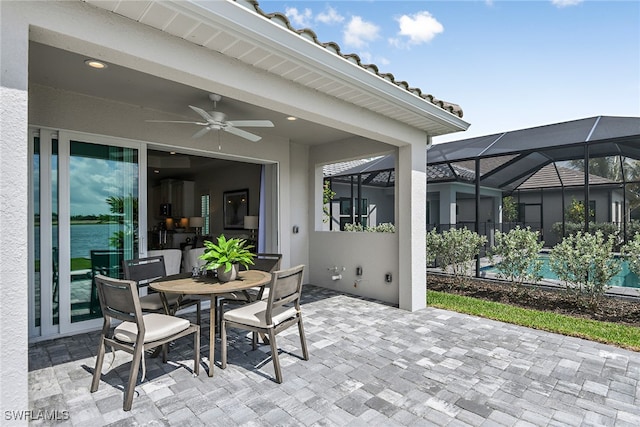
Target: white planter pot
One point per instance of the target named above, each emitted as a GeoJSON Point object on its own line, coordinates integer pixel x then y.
{"type": "Point", "coordinates": [229, 275]}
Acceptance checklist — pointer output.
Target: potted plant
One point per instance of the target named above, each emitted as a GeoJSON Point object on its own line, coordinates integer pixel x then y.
{"type": "Point", "coordinates": [226, 256]}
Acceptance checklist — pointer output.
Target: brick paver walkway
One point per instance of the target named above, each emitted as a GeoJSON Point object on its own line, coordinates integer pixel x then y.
{"type": "Point", "coordinates": [371, 365]}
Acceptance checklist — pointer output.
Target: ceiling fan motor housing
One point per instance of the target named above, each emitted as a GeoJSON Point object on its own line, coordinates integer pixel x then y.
{"type": "Point", "coordinates": [218, 116]}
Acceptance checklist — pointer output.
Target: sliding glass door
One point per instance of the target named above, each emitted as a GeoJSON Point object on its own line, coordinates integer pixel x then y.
{"type": "Point", "coordinates": [86, 221]}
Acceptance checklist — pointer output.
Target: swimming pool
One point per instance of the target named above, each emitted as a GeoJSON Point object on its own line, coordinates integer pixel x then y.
{"type": "Point", "coordinates": [625, 278]}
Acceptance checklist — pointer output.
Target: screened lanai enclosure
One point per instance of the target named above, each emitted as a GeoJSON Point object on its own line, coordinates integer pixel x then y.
{"type": "Point", "coordinates": [540, 177]}
{"type": "Point", "coordinates": [359, 193]}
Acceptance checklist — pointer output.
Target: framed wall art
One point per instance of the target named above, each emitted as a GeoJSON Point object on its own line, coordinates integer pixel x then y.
{"type": "Point", "coordinates": [236, 207]}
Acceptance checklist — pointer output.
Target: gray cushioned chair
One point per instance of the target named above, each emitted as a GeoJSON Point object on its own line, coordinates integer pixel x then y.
{"type": "Point", "coordinates": [271, 316]}
{"type": "Point", "coordinates": [145, 270]}
{"type": "Point", "coordinates": [137, 333]}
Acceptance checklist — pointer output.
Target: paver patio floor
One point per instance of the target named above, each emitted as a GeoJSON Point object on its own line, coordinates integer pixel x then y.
{"type": "Point", "coordinates": [370, 365]}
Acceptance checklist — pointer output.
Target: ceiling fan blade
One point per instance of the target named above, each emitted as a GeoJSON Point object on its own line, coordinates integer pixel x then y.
{"type": "Point", "coordinates": [201, 132]}
{"type": "Point", "coordinates": [252, 123]}
{"type": "Point", "coordinates": [242, 133]}
{"type": "Point", "coordinates": [202, 113]}
{"type": "Point", "coordinates": [177, 121]}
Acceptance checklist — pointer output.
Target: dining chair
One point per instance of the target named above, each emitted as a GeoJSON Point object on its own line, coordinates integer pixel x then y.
{"type": "Point", "coordinates": [172, 259]}
{"type": "Point", "coordinates": [272, 316]}
{"type": "Point", "coordinates": [106, 262]}
{"type": "Point", "coordinates": [192, 259]}
{"type": "Point", "coordinates": [145, 270]}
{"type": "Point", "coordinates": [119, 300]}
{"type": "Point", "coordinates": [268, 262]}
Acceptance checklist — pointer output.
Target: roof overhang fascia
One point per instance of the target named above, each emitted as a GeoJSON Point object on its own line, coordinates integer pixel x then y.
{"type": "Point", "coordinates": [249, 27]}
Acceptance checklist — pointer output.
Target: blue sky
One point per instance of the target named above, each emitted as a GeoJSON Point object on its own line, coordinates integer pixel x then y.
{"type": "Point", "coordinates": [508, 64]}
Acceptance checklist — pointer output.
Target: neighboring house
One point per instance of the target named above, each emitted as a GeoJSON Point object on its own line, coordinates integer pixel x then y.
{"type": "Point", "coordinates": [544, 197]}
{"type": "Point", "coordinates": [65, 126]}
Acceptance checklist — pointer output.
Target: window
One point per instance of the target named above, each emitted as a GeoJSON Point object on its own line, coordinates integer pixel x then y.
{"type": "Point", "coordinates": [204, 212]}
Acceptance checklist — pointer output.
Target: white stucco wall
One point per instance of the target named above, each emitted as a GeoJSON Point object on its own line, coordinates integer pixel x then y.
{"type": "Point", "coordinates": [382, 253]}
{"type": "Point", "coordinates": [299, 208]}
{"type": "Point", "coordinates": [376, 253]}
{"type": "Point", "coordinates": [13, 204]}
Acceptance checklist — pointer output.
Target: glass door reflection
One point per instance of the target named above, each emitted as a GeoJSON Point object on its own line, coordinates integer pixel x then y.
{"type": "Point", "coordinates": [103, 216]}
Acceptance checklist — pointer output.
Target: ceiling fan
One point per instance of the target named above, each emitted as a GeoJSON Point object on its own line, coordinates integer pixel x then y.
{"type": "Point", "coordinates": [217, 120]}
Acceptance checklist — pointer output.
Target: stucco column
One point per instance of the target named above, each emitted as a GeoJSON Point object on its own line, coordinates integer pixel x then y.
{"type": "Point", "coordinates": [14, 205]}
{"type": "Point", "coordinates": [448, 205]}
{"type": "Point", "coordinates": [411, 187]}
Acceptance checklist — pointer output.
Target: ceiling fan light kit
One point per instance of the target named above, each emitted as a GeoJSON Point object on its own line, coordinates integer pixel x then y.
{"type": "Point", "coordinates": [217, 120]}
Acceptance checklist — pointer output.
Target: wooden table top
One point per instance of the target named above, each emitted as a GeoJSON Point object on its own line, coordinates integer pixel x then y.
{"type": "Point", "coordinates": [204, 285]}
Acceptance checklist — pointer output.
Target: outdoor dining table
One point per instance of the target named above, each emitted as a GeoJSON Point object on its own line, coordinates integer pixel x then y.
{"type": "Point", "coordinates": [205, 285]}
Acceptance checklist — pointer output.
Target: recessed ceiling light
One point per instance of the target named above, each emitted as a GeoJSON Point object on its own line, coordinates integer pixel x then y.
{"type": "Point", "coordinates": [94, 63]}
{"type": "Point", "coordinates": [291, 118]}
{"type": "Point", "coordinates": [172, 152]}
{"type": "Point", "coordinates": [156, 171]}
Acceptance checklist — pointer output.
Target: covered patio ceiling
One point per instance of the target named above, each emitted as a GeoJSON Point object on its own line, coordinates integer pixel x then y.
{"type": "Point", "coordinates": [509, 159]}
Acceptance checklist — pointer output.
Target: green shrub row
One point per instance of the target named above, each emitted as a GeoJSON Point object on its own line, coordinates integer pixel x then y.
{"type": "Point", "coordinates": [585, 262]}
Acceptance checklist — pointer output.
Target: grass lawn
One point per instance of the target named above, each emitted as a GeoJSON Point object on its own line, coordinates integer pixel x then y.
{"type": "Point", "coordinates": [604, 332]}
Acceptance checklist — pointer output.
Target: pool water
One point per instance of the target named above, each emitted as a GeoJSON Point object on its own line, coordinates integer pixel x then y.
{"type": "Point", "coordinates": [625, 278]}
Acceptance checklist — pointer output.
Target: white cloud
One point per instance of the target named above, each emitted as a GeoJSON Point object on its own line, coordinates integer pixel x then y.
{"type": "Point", "coordinates": [330, 16]}
{"type": "Point", "coordinates": [299, 19]}
{"type": "Point", "coordinates": [418, 28]}
{"type": "Point", "coordinates": [382, 61]}
{"type": "Point", "coordinates": [565, 3]}
{"type": "Point", "coordinates": [358, 33]}
{"type": "Point", "coordinates": [366, 57]}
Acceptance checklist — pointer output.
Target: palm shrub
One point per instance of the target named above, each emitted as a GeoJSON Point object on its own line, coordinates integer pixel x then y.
{"type": "Point", "coordinates": [518, 253]}
{"type": "Point", "coordinates": [585, 262]}
{"type": "Point", "coordinates": [226, 253]}
{"type": "Point", "coordinates": [455, 249]}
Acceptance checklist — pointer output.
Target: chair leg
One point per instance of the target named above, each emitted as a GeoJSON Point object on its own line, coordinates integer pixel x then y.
{"type": "Point", "coordinates": [223, 345]}
{"type": "Point", "coordinates": [198, 311]}
{"type": "Point", "coordinates": [274, 356]}
{"type": "Point", "coordinates": [196, 351]}
{"type": "Point", "coordinates": [133, 378]}
{"type": "Point", "coordinates": [303, 339]}
{"type": "Point", "coordinates": [254, 340]}
{"type": "Point", "coordinates": [97, 372]}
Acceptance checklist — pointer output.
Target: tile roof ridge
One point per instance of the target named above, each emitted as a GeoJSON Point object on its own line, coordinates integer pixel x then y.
{"type": "Point", "coordinates": [281, 19]}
